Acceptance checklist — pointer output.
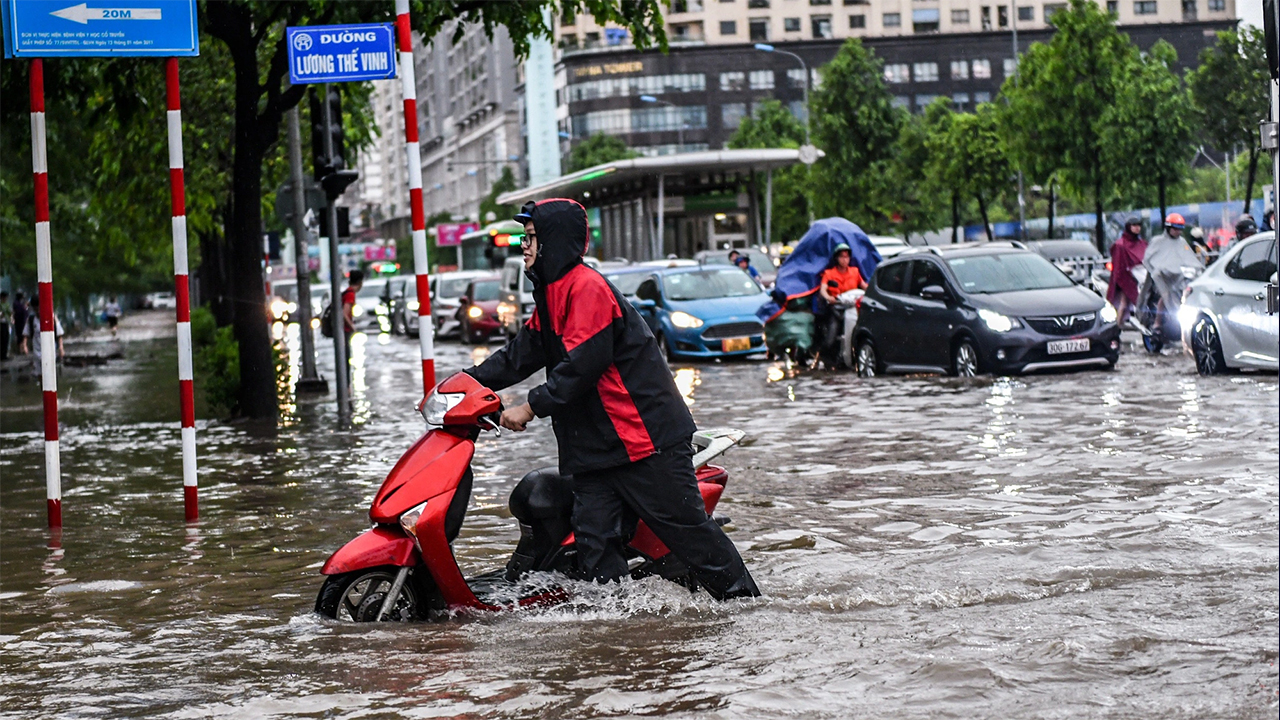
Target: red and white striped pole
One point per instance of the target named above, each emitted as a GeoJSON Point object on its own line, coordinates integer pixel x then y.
{"type": "Point", "coordinates": [44, 284]}
{"type": "Point", "coordinates": [178, 198]}
{"type": "Point", "coordinates": [413, 156]}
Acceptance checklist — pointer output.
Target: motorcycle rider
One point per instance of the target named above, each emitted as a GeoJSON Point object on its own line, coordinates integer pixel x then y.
{"type": "Point", "coordinates": [1170, 243]}
{"type": "Point", "coordinates": [840, 277]}
{"type": "Point", "coordinates": [1245, 227]}
{"type": "Point", "coordinates": [1126, 254]}
{"type": "Point", "coordinates": [622, 428]}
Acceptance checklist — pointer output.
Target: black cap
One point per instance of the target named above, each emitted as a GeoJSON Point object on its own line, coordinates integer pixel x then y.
{"type": "Point", "coordinates": [526, 212]}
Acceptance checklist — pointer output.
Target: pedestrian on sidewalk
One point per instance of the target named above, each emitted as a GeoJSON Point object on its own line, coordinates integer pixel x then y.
{"type": "Point", "coordinates": [20, 313]}
{"type": "Point", "coordinates": [31, 333]}
{"type": "Point", "coordinates": [622, 427]}
{"type": "Point", "coordinates": [113, 314]}
{"type": "Point", "coordinates": [6, 322]}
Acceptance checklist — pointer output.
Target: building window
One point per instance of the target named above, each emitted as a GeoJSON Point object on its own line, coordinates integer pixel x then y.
{"type": "Point", "coordinates": [728, 27]}
{"type": "Point", "coordinates": [1217, 5]}
{"type": "Point", "coordinates": [757, 4]}
{"type": "Point", "coordinates": [759, 29]}
{"type": "Point", "coordinates": [1144, 7]}
{"type": "Point", "coordinates": [960, 101]}
{"type": "Point", "coordinates": [1010, 67]}
{"type": "Point", "coordinates": [623, 121]}
{"type": "Point", "coordinates": [925, 71]}
{"type": "Point", "coordinates": [731, 115]}
{"type": "Point", "coordinates": [857, 22]}
{"type": "Point", "coordinates": [986, 17]}
{"type": "Point", "coordinates": [637, 85]}
{"type": "Point", "coordinates": [1113, 7]}
{"type": "Point", "coordinates": [1188, 9]}
{"type": "Point", "coordinates": [1002, 16]}
{"type": "Point", "coordinates": [923, 21]}
{"type": "Point", "coordinates": [857, 2]}
{"type": "Point", "coordinates": [761, 80]}
{"type": "Point", "coordinates": [897, 73]}
{"type": "Point", "coordinates": [733, 80]}
{"type": "Point", "coordinates": [981, 97]}
{"type": "Point", "coordinates": [982, 69]}
{"type": "Point", "coordinates": [1026, 14]}
{"type": "Point", "coordinates": [892, 20]}
{"type": "Point", "coordinates": [901, 101]}
{"type": "Point", "coordinates": [959, 70]}
{"type": "Point", "coordinates": [959, 17]}
{"type": "Point", "coordinates": [1052, 8]}
{"type": "Point", "coordinates": [569, 42]}
{"type": "Point", "coordinates": [591, 39]}
{"type": "Point", "coordinates": [685, 6]}
{"type": "Point", "coordinates": [798, 110]}
{"type": "Point", "coordinates": [821, 25]}
{"type": "Point", "coordinates": [795, 78]}
{"type": "Point", "coordinates": [791, 24]}
{"type": "Point", "coordinates": [819, 2]}
{"type": "Point", "coordinates": [923, 101]}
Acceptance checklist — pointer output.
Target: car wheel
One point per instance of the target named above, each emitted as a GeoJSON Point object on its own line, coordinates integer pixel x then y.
{"type": "Point", "coordinates": [964, 359]}
{"type": "Point", "coordinates": [866, 362]}
{"type": "Point", "coordinates": [1206, 346]}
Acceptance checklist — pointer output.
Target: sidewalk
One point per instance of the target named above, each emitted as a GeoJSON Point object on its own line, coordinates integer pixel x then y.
{"type": "Point", "coordinates": [96, 346]}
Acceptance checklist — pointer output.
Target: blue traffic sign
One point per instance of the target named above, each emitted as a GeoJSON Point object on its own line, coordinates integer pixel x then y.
{"type": "Point", "coordinates": [341, 53]}
{"type": "Point", "coordinates": [102, 28]}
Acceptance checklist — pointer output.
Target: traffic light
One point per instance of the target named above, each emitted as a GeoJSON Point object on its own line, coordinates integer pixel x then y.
{"type": "Point", "coordinates": [322, 162]}
{"type": "Point", "coordinates": [344, 223]}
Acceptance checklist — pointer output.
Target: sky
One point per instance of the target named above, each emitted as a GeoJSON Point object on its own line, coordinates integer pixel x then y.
{"type": "Point", "coordinates": [1250, 12]}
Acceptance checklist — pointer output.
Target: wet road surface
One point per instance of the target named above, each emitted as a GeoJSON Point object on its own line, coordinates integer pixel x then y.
{"type": "Point", "coordinates": [1098, 544]}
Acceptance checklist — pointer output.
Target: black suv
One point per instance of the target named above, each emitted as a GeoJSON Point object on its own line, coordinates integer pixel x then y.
{"type": "Point", "coordinates": [987, 308]}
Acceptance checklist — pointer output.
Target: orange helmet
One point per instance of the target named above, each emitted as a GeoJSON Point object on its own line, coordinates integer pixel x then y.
{"type": "Point", "coordinates": [1174, 220]}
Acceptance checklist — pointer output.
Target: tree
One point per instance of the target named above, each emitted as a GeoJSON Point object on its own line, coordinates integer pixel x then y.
{"type": "Point", "coordinates": [1228, 91]}
{"type": "Point", "coordinates": [1054, 118]}
{"type": "Point", "coordinates": [968, 153]}
{"type": "Point", "coordinates": [253, 33]}
{"type": "Point", "coordinates": [1146, 135]}
{"type": "Point", "coordinates": [773, 126]}
{"type": "Point", "coordinates": [855, 123]}
{"type": "Point", "coordinates": [598, 149]}
{"type": "Point", "coordinates": [912, 194]}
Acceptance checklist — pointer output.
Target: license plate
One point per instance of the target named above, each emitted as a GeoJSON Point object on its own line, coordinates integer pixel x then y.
{"type": "Point", "coordinates": [1060, 347]}
{"type": "Point", "coordinates": [736, 344]}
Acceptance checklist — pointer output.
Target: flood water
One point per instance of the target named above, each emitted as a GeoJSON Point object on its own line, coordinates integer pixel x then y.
{"type": "Point", "coordinates": [1097, 544]}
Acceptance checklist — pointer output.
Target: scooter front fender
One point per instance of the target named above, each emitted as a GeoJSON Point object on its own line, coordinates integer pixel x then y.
{"type": "Point", "coordinates": [379, 546]}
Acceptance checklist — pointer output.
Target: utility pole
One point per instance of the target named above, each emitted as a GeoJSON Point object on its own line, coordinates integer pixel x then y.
{"type": "Point", "coordinates": [341, 368]}
{"type": "Point", "coordinates": [310, 381]}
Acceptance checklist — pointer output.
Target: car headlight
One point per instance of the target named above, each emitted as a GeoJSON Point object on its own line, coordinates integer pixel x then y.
{"type": "Point", "coordinates": [1108, 313]}
{"type": "Point", "coordinates": [279, 308]}
{"type": "Point", "coordinates": [412, 305]}
{"type": "Point", "coordinates": [356, 310]}
{"type": "Point", "coordinates": [996, 321]}
{"type": "Point", "coordinates": [474, 312]}
{"type": "Point", "coordinates": [684, 320]}
{"type": "Point", "coordinates": [409, 519]}
{"type": "Point", "coordinates": [438, 404]}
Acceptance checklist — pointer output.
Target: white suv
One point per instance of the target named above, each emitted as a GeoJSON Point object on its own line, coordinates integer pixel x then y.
{"type": "Point", "coordinates": [1224, 311]}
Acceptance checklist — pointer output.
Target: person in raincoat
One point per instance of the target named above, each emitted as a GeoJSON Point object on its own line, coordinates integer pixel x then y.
{"type": "Point", "coordinates": [1171, 263]}
{"type": "Point", "coordinates": [1126, 254]}
{"type": "Point", "coordinates": [621, 425]}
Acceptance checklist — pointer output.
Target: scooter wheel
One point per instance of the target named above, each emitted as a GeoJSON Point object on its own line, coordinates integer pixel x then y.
{"type": "Point", "coordinates": [358, 596]}
{"type": "Point", "coordinates": [1153, 343]}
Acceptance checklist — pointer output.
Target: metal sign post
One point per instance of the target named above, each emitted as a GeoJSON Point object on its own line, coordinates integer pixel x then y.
{"type": "Point", "coordinates": [127, 28]}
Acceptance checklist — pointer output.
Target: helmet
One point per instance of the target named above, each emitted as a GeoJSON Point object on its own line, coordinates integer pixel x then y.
{"type": "Point", "coordinates": [1174, 220]}
{"type": "Point", "coordinates": [1245, 226]}
{"type": "Point", "coordinates": [1132, 220]}
{"type": "Point", "coordinates": [842, 247]}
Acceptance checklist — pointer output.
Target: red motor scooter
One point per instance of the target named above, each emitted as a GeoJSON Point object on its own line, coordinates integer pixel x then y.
{"type": "Point", "coordinates": [403, 568]}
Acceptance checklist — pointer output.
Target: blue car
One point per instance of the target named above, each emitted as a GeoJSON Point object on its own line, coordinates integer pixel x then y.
{"type": "Point", "coordinates": [702, 312]}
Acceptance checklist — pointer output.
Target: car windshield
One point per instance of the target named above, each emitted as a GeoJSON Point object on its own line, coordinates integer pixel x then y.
{"type": "Point", "coordinates": [371, 290]}
{"type": "Point", "coordinates": [486, 290]}
{"type": "Point", "coordinates": [1008, 272]}
{"type": "Point", "coordinates": [705, 284]}
{"type": "Point", "coordinates": [452, 288]}
{"type": "Point", "coordinates": [627, 282]}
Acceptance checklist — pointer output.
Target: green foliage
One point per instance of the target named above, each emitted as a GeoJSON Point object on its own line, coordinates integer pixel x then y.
{"type": "Point", "coordinates": [1056, 108]}
{"type": "Point", "coordinates": [773, 126]}
{"type": "Point", "coordinates": [597, 150]}
{"type": "Point", "coordinates": [217, 363]}
{"type": "Point", "coordinates": [968, 155]}
{"type": "Point", "coordinates": [505, 183]}
{"type": "Point", "coordinates": [855, 123]}
{"type": "Point", "coordinates": [1228, 92]}
{"type": "Point", "coordinates": [1146, 133]}
{"type": "Point", "coordinates": [913, 194]}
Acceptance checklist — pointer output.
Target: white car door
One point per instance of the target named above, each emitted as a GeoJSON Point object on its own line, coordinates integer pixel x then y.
{"type": "Point", "coordinates": [1239, 299]}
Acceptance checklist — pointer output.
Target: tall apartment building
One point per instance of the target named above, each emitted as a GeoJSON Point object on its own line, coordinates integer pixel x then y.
{"type": "Point", "coordinates": [713, 77]}
{"type": "Point", "coordinates": [381, 193]}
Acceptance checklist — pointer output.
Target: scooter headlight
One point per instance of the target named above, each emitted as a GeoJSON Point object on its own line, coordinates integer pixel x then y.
{"type": "Point", "coordinates": [996, 321]}
{"type": "Point", "coordinates": [438, 404]}
{"type": "Point", "coordinates": [1108, 313]}
{"type": "Point", "coordinates": [1187, 315]}
{"type": "Point", "coordinates": [684, 320]}
{"type": "Point", "coordinates": [409, 519]}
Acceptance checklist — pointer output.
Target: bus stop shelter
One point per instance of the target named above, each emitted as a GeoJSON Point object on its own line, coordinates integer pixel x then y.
{"type": "Point", "coordinates": [701, 201]}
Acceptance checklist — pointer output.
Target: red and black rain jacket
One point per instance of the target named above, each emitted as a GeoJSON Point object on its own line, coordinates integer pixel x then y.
{"type": "Point", "coordinates": [609, 392]}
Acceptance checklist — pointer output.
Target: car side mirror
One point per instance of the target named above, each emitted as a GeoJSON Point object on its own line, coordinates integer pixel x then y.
{"type": "Point", "coordinates": [645, 304]}
{"type": "Point", "coordinates": [935, 292]}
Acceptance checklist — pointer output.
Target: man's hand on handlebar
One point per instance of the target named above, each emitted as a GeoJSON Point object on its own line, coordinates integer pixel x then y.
{"type": "Point", "coordinates": [517, 417]}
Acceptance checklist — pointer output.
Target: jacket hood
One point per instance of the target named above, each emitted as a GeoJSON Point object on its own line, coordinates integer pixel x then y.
{"type": "Point", "coordinates": [563, 238]}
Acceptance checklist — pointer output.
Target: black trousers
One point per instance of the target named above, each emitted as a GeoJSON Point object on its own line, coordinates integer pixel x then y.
{"type": "Point", "coordinates": [662, 490]}
{"type": "Point", "coordinates": [4, 341]}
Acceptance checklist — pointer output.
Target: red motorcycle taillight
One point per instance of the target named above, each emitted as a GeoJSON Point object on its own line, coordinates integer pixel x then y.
{"type": "Point", "coordinates": [1108, 266]}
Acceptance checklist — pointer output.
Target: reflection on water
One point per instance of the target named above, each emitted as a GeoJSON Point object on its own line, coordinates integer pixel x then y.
{"type": "Point", "coordinates": [1102, 542]}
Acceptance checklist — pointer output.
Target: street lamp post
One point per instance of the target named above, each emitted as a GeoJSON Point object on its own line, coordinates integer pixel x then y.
{"type": "Point", "coordinates": [765, 47]}
{"type": "Point", "coordinates": [679, 128]}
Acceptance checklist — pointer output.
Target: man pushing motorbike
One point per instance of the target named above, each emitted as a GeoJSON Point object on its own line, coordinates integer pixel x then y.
{"type": "Point", "coordinates": [622, 429]}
